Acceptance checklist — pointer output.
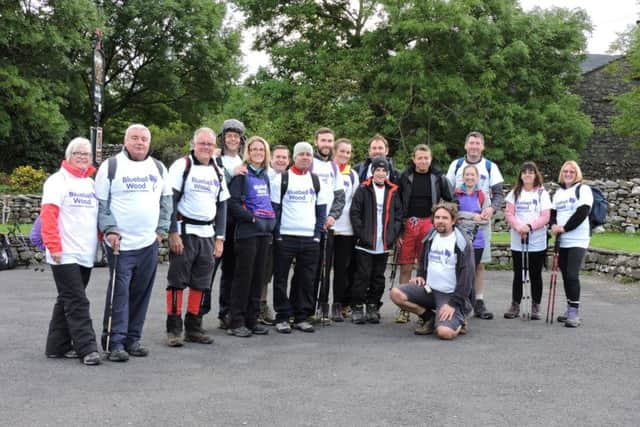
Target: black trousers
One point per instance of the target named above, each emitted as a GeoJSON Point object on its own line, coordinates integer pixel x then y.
{"type": "Point", "coordinates": [343, 251]}
{"type": "Point", "coordinates": [368, 281]}
{"type": "Point", "coordinates": [301, 303]}
{"type": "Point", "coordinates": [71, 326]}
{"type": "Point", "coordinates": [536, 261]}
{"type": "Point", "coordinates": [570, 261]}
{"type": "Point", "coordinates": [251, 264]}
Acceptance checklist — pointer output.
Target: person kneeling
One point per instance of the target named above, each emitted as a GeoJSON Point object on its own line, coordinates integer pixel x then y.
{"type": "Point", "coordinates": [441, 293]}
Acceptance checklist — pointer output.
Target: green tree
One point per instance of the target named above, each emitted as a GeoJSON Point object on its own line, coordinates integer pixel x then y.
{"type": "Point", "coordinates": [38, 51]}
{"type": "Point", "coordinates": [427, 71]}
{"type": "Point", "coordinates": [626, 122]}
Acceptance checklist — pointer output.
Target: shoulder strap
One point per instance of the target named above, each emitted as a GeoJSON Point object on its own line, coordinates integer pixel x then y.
{"type": "Point", "coordinates": [112, 165]}
{"type": "Point", "coordinates": [578, 191]}
{"type": "Point", "coordinates": [159, 166]}
{"type": "Point", "coordinates": [284, 183]}
{"type": "Point", "coordinates": [316, 182]}
{"type": "Point", "coordinates": [185, 175]}
{"type": "Point", "coordinates": [487, 164]}
{"type": "Point", "coordinates": [353, 180]}
{"type": "Point", "coordinates": [458, 164]}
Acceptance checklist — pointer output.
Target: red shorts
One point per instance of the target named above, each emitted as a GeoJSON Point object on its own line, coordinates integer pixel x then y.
{"type": "Point", "coordinates": [415, 229]}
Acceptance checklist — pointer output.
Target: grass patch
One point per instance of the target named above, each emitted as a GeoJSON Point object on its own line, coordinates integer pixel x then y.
{"type": "Point", "coordinates": [25, 229]}
{"type": "Point", "coordinates": [613, 241]}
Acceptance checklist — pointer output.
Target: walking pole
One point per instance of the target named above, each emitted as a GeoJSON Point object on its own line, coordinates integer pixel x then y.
{"type": "Point", "coordinates": [322, 288]}
{"type": "Point", "coordinates": [116, 252]}
{"type": "Point", "coordinates": [526, 288]}
{"type": "Point", "coordinates": [551, 302]}
{"type": "Point", "coordinates": [394, 266]}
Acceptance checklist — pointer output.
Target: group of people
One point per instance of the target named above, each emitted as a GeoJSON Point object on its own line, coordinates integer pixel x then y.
{"type": "Point", "coordinates": [243, 206]}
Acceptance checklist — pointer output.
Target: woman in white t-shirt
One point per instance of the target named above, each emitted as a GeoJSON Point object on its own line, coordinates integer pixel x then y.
{"type": "Point", "coordinates": [527, 212]}
{"type": "Point", "coordinates": [570, 223]}
{"type": "Point", "coordinates": [69, 217]}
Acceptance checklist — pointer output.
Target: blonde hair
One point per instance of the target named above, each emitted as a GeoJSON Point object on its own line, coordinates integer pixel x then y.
{"type": "Point", "coordinates": [575, 166]}
{"type": "Point", "coordinates": [265, 144]}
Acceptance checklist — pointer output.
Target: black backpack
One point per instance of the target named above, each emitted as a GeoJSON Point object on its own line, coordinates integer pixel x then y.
{"type": "Point", "coordinates": [7, 257]}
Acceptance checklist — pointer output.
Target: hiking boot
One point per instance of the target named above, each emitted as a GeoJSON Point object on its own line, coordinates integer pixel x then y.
{"type": "Point", "coordinates": [403, 316]}
{"type": "Point", "coordinates": [137, 350]}
{"type": "Point", "coordinates": [225, 322]}
{"type": "Point", "coordinates": [464, 329]}
{"type": "Point", "coordinates": [323, 314]}
{"type": "Point", "coordinates": [336, 312]}
{"type": "Point", "coordinates": [357, 314]}
{"type": "Point", "coordinates": [304, 326]}
{"type": "Point", "coordinates": [373, 314]}
{"type": "Point", "coordinates": [174, 330]}
{"type": "Point", "coordinates": [346, 311]}
{"type": "Point", "coordinates": [573, 319]}
{"type": "Point", "coordinates": [193, 329]}
{"type": "Point", "coordinates": [480, 310]}
{"type": "Point", "coordinates": [513, 312]}
{"type": "Point", "coordinates": [71, 354]}
{"type": "Point", "coordinates": [563, 317]}
{"type": "Point", "coordinates": [118, 355]}
{"type": "Point", "coordinates": [283, 327]}
{"type": "Point", "coordinates": [425, 327]}
{"type": "Point", "coordinates": [92, 359]}
{"type": "Point", "coordinates": [266, 315]}
{"type": "Point", "coordinates": [241, 332]}
{"type": "Point", "coordinates": [259, 330]}
{"type": "Point", "coordinates": [535, 311]}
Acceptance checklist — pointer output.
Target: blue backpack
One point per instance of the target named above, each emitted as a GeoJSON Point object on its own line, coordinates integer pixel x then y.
{"type": "Point", "coordinates": [599, 209]}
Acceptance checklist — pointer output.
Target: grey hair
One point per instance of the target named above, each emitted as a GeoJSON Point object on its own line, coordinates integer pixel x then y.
{"type": "Point", "coordinates": [75, 143]}
{"type": "Point", "coordinates": [201, 130]}
{"type": "Point", "coordinates": [136, 126]}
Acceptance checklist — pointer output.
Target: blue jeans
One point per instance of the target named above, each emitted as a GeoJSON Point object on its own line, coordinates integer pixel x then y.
{"type": "Point", "coordinates": [135, 273]}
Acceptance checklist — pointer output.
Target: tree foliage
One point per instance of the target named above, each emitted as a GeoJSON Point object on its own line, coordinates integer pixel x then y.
{"type": "Point", "coordinates": [424, 71]}
{"type": "Point", "coordinates": [626, 122]}
{"type": "Point", "coordinates": [166, 62]}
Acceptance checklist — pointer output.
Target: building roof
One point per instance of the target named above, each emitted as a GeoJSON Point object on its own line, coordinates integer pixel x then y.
{"type": "Point", "coordinates": [596, 60]}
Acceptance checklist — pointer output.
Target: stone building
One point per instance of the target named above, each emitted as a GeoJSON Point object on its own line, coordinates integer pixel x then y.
{"type": "Point", "coordinates": [606, 155]}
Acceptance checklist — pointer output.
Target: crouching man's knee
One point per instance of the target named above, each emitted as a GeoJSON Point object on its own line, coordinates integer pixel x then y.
{"type": "Point", "coordinates": [445, 333]}
{"type": "Point", "coordinates": [397, 296]}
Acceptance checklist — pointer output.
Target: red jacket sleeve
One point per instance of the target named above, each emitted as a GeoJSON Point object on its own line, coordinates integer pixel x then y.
{"type": "Point", "coordinates": [50, 232]}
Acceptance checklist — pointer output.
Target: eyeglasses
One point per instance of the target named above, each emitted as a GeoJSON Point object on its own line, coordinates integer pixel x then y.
{"type": "Point", "coordinates": [81, 154]}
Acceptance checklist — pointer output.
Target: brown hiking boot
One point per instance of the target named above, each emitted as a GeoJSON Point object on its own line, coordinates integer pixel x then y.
{"type": "Point", "coordinates": [193, 330]}
{"type": "Point", "coordinates": [425, 327]}
{"type": "Point", "coordinates": [514, 311]}
{"type": "Point", "coordinates": [174, 340]}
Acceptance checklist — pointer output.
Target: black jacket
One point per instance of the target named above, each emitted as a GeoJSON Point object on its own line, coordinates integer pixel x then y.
{"type": "Point", "coordinates": [363, 215]}
{"type": "Point", "coordinates": [440, 189]}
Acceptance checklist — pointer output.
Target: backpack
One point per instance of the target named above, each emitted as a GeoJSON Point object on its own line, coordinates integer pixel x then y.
{"type": "Point", "coordinates": [112, 166]}
{"type": "Point", "coordinates": [599, 209]}
{"type": "Point", "coordinates": [285, 183]}
{"type": "Point", "coordinates": [216, 166]}
{"type": "Point", "coordinates": [7, 257]}
{"type": "Point", "coordinates": [487, 165]}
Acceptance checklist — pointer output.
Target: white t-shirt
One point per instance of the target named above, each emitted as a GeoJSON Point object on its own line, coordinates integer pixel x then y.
{"type": "Point", "coordinates": [77, 217]}
{"type": "Point", "coordinates": [379, 247]}
{"type": "Point", "coordinates": [135, 199]}
{"type": "Point", "coordinates": [230, 163]}
{"type": "Point", "coordinates": [529, 206]}
{"type": "Point", "coordinates": [200, 197]}
{"type": "Point", "coordinates": [343, 226]}
{"type": "Point", "coordinates": [298, 216]}
{"type": "Point", "coordinates": [330, 181]}
{"type": "Point", "coordinates": [565, 205]}
{"type": "Point", "coordinates": [441, 271]}
{"type": "Point", "coordinates": [486, 181]}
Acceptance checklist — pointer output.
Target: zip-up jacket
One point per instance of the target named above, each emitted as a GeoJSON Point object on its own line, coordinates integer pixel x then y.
{"type": "Point", "coordinates": [440, 189]}
{"type": "Point", "coordinates": [253, 213]}
{"type": "Point", "coordinates": [462, 296]}
{"type": "Point", "coordinates": [363, 215]}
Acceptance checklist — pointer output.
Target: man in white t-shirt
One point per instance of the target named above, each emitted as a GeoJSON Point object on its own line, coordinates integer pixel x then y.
{"type": "Point", "coordinates": [300, 221]}
{"type": "Point", "coordinates": [441, 292]}
{"type": "Point", "coordinates": [135, 205]}
{"type": "Point", "coordinates": [332, 195]}
{"type": "Point", "coordinates": [196, 236]}
{"type": "Point", "coordinates": [491, 183]}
